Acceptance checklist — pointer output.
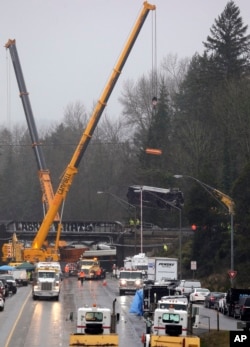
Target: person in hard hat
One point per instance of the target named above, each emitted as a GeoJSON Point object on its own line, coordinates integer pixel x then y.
{"type": "Point", "coordinates": [131, 222]}
{"type": "Point", "coordinates": [131, 225]}
{"type": "Point", "coordinates": [82, 276]}
{"type": "Point", "coordinates": [98, 272]}
{"type": "Point", "coordinates": [137, 223]}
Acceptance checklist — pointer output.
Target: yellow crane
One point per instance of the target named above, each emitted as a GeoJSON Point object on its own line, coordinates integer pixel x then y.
{"type": "Point", "coordinates": [36, 252]}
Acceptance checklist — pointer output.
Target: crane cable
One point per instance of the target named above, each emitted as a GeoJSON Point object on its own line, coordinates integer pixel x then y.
{"type": "Point", "coordinates": [154, 79]}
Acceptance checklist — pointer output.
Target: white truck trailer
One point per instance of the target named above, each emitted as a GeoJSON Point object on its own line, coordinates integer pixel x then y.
{"type": "Point", "coordinates": [161, 269]}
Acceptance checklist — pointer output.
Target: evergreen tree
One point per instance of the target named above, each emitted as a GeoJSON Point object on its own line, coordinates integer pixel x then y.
{"type": "Point", "coordinates": [229, 43]}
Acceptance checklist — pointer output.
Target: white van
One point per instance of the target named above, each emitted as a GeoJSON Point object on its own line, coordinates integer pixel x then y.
{"type": "Point", "coordinates": [185, 287]}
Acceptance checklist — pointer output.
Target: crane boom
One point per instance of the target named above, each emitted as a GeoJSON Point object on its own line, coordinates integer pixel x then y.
{"type": "Point", "coordinates": [44, 174]}
{"type": "Point", "coordinates": [72, 167]}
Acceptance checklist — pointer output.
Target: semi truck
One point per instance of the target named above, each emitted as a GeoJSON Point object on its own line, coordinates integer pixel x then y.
{"type": "Point", "coordinates": [169, 324]}
{"type": "Point", "coordinates": [91, 268]}
{"type": "Point", "coordinates": [161, 269]}
{"type": "Point", "coordinates": [96, 326]}
{"type": "Point", "coordinates": [130, 281]}
{"type": "Point", "coordinates": [47, 280]}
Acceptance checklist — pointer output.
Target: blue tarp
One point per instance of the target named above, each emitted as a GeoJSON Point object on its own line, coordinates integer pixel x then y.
{"type": "Point", "coordinates": [136, 306]}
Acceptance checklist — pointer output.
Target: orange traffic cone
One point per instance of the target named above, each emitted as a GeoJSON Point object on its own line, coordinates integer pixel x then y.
{"type": "Point", "coordinates": [104, 283]}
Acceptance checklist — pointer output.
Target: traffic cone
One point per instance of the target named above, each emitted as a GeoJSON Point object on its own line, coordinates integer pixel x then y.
{"type": "Point", "coordinates": [104, 283]}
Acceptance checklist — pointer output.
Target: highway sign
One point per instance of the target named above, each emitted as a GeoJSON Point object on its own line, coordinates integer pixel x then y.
{"type": "Point", "coordinates": [232, 274]}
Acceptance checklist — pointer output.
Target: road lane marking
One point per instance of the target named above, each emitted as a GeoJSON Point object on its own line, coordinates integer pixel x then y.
{"type": "Point", "coordinates": [16, 322]}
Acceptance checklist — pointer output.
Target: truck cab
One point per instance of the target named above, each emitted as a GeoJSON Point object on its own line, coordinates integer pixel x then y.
{"type": "Point", "coordinates": [47, 280]}
{"type": "Point", "coordinates": [91, 268]}
{"type": "Point", "coordinates": [130, 281]}
{"type": "Point", "coordinates": [96, 326]}
{"type": "Point", "coordinates": [169, 324]}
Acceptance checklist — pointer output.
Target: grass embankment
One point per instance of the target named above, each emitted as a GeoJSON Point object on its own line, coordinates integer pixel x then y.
{"type": "Point", "coordinates": [215, 338]}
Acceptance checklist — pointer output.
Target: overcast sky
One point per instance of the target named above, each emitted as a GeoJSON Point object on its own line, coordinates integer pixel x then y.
{"type": "Point", "coordinates": [67, 48]}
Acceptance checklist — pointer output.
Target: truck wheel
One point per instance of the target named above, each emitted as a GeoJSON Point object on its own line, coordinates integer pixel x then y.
{"type": "Point", "coordinates": [121, 292]}
{"type": "Point", "coordinates": [34, 297]}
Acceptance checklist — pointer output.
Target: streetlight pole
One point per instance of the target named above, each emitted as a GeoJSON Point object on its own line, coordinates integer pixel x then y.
{"type": "Point", "coordinates": [141, 221]}
{"type": "Point", "coordinates": [230, 205]}
{"type": "Point", "coordinates": [180, 243]}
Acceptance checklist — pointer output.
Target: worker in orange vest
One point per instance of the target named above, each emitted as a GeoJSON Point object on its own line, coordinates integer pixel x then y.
{"type": "Point", "coordinates": [66, 269]}
{"type": "Point", "coordinates": [82, 277]}
{"type": "Point", "coordinates": [98, 273]}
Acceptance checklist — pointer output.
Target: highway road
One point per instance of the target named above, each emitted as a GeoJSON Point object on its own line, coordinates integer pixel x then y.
{"type": "Point", "coordinates": [39, 323]}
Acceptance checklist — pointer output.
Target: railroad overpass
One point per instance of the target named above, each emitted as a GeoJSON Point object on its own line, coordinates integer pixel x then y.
{"type": "Point", "coordinates": [126, 241]}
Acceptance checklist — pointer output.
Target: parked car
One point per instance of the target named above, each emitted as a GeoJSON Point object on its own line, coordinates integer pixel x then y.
{"type": "Point", "coordinates": [5, 283]}
{"type": "Point", "coordinates": [2, 289]}
{"type": "Point", "coordinates": [211, 298]}
{"type": "Point", "coordinates": [11, 282]}
{"type": "Point", "coordinates": [2, 302]}
{"type": "Point", "coordinates": [198, 295]}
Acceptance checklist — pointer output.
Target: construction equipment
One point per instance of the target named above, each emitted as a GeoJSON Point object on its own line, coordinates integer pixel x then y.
{"type": "Point", "coordinates": [96, 326]}
{"type": "Point", "coordinates": [36, 251]}
{"type": "Point", "coordinates": [43, 172]}
{"type": "Point", "coordinates": [13, 250]}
